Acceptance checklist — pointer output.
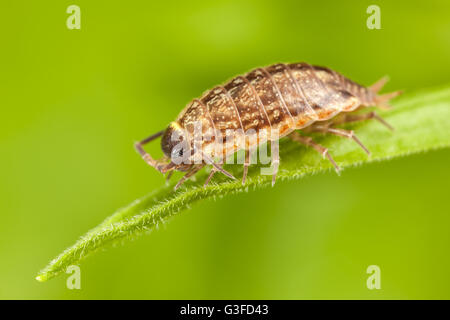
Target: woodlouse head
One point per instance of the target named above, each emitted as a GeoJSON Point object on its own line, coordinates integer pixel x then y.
{"type": "Point", "coordinates": [175, 146]}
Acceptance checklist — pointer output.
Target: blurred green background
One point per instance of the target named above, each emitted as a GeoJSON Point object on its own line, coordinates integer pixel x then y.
{"type": "Point", "coordinates": [74, 101]}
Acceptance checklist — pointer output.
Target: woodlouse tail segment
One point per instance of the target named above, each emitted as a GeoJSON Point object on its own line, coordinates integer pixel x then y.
{"type": "Point", "coordinates": [377, 86]}
{"type": "Point", "coordinates": [382, 101]}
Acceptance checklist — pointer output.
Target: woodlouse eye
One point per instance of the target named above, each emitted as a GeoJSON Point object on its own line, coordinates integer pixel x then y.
{"type": "Point", "coordinates": [179, 152]}
{"type": "Point", "coordinates": [171, 138]}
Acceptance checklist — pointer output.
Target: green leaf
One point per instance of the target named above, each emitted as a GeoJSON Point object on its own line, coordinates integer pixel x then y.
{"type": "Point", "coordinates": [422, 123]}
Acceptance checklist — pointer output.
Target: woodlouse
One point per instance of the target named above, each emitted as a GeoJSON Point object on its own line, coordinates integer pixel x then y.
{"type": "Point", "coordinates": [278, 99]}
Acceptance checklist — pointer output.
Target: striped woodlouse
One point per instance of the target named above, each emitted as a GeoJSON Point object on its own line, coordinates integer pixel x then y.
{"type": "Point", "coordinates": [278, 100]}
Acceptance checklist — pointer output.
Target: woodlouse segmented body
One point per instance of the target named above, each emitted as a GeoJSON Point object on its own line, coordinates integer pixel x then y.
{"type": "Point", "coordinates": [278, 100]}
{"type": "Point", "coordinates": [283, 97]}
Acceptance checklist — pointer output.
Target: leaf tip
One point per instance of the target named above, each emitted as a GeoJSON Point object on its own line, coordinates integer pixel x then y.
{"type": "Point", "coordinates": [41, 278]}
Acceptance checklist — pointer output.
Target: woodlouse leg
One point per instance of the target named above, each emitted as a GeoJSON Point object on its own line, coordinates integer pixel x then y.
{"type": "Point", "coordinates": [217, 167]}
{"type": "Point", "coordinates": [168, 176]}
{"type": "Point", "coordinates": [248, 155]}
{"type": "Point", "coordinates": [341, 132]}
{"type": "Point", "coordinates": [210, 161]}
{"type": "Point", "coordinates": [189, 174]}
{"type": "Point", "coordinates": [360, 117]}
{"type": "Point", "coordinates": [274, 151]}
{"type": "Point", "coordinates": [246, 165]}
{"type": "Point", "coordinates": [319, 148]}
{"type": "Point", "coordinates": [211, 174]}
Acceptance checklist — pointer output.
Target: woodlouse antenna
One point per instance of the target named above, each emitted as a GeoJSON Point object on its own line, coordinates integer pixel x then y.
{"type": "Point", "coordinates": [158, 165]}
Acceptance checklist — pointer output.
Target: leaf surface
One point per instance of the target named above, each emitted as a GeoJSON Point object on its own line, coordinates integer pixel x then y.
{"type": "Point", "coordinates": [421, 121]}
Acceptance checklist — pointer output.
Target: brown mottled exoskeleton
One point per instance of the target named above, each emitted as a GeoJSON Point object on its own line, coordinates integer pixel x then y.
{"type": "Point", "coordinates": [276, 100]}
